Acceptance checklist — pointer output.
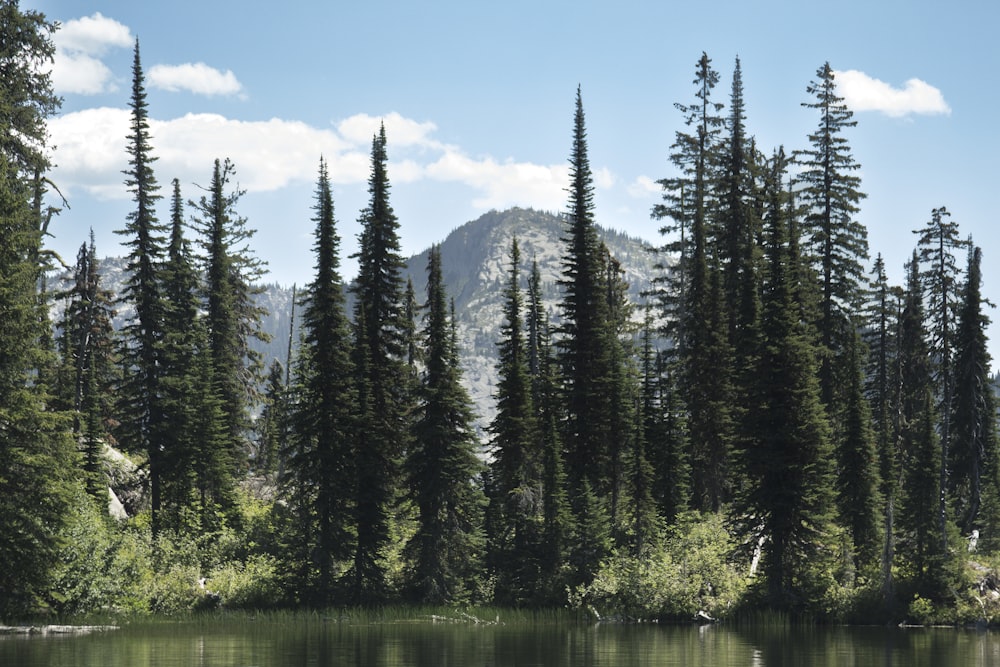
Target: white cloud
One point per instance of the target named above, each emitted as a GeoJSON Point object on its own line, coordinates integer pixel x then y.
{"type": "Point", "coordinates": [93, 34]}
{"type": "Point", "coordinates": [80, 43]}
{"type": "Point", "coordinates": [196, 78]}
{"type": "Point", "coordinates": [80, 74]}
{"type": "Point", "coordinates": [864, 93]}
{"type": "Point", "coordinates": [269, 155]}
{"type": "Point", "coordinates": [643, 186]}
{"type": "Point", "coordinates": [504, 183]}
{"type": "Point", "coordinates": [90, 151]}
{"type": "Point", "coordinates": [604, 178]}
{"type": "Point", "coordinates": [403, 132]}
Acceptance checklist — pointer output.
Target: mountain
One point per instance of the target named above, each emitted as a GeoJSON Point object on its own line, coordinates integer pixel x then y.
{"type": "Point", "coordinates": [475, 259]}
{"type": "Point", "coordinates": [476, 262]}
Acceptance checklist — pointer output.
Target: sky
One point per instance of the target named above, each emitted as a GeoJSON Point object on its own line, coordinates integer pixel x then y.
{"type": "Point", "coordinates": [478, 99]}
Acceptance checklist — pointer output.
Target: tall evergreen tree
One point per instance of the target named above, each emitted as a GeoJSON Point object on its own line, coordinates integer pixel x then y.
{"type": "Point", "coordinates": [706, 365]}
{"type": "Point", "coordinates": [790, 496]}
{"type": "Point", "coordinates": [179, 358]}
{"type": "Point", "coordinates": [515, 495]}
{"type": "Point", "coordinates": [738, 226]}
{"type": "Point", "coordinates": [701, 326]}
{"type": "Point", "coordinates": [90, 363]}
{"type": "Point", "coordinates": [584, 357]}
{"type": "Point", "coordinates": [837, 244]}
{"type": "Point", "coordinates": [858, 488]}
{"type": "Point", "coordinates": [545, 397]}
{"type": "Point", "coordinates": [442, 466]}
{"type": "Point", "coordinates": [689, 196]}
{"type": "Point", "coordinates": [973, 404]}
{"type": "Point", "coordinates": [925, 555]}
{"type": "Point", "coordinates": [143, 421]}
{"type": "Point", "coordinates": [324, 417]}
{"type": "Point", "coordinates": [37, 461]}
{"type": "Point", "coordinates": [667, 433]}
{"type": "Point", "coordinates": [882, 392]}
{"type": "Point", "coordinates": [272, 424]}
{"type": "Point", "coordinates": [940, 277]}
{"type": "Point", "coordinates": [631, 507]}
{"type": "Point", "coordinates": [380, 324]}
{"type": "Point", "coordinates": [232, 316]}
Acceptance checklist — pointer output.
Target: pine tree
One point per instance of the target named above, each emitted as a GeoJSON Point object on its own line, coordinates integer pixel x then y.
{"type": "Point", "coordinates": [442, 466]}
{"type": "Point", "coordinates": [837, 244]}
{"type": "Point", "coordinates": [89, 359]}
{"type": "Point", "coordinates": [515, 495]}
{"type": "Point", "coordinates": [143, 421]}
{"type": "Point", "coordinates": [738, 225]}
{"type": "Point", "coordinates": [973, 403]}
{"type": "Point", "coordinates": [936, 244]}
{"type": "Point", "coordinates": [689, 196]}
{"type": "Point", "coordinates": [380, 325]}
{"type": "Point", "coordinates": [698, 310]}
{"type": "Point", "coordinates": [632, 512]}
{"type": "Point", "coordinates": [232, 318]}
{"type": "Point", "coordinates": [179, 357]}
{"type": "Point", "coordinates": [37, 458]}
{"type": "Point", "coordinates": [211, 490]}
{"type": "Point", "coordinates": [882, 393]}
{"type": "Point", "coordinates": [37, 461]}
{"type": "Point", "coordinates": [641, 466]}
{"type": "Point", "coordinates": [323, 418]}
{"type": "Point", "coordinates": [545, 397]}
{"type": "Point", "coordinates": [859, 499]}
{"type": "Point", "coordinates": [706, 363]}
{"type": "Point", "coordinates": [789, 498]}
{"type": "Point", "coordinates": [536, 333]}
{"type": "Point", "coordinates": [586, 365]}
{"type": "Point", "coordinates": [272, 424]}
{"type": "Point", "coordinates": [925, 554]}
{"type": "Point", "coordinates": [666, 431]}
{"type": "Point", "coordinates": [27, 51]}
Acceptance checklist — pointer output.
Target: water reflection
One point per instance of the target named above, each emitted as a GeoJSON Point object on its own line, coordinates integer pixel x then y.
{"type": "Point", "coordinates": [315, 643]}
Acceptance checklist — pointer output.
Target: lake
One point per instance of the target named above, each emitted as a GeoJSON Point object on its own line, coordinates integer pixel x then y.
{"type": "Point", "coordinates": [318, 643]}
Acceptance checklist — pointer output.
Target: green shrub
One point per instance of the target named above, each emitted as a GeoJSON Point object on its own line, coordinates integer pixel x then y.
{"type": "Point", "coordinates": [84, 579]}
{"type": "Point", "coordinates": [689, 570]}
{"type": "Point", "coordinates": [177, 591]}
{"type": "Point", "coordinates": [250, 585]}
{"type": "Point", "coordinates": [920, 611]}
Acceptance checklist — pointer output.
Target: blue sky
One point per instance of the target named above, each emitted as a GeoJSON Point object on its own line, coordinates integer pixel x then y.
{"type": "Point", "coordinates": [478, 99]}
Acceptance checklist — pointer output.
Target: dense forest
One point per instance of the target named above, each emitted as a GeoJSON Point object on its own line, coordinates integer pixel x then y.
{"type": "Point", "coordinates": [775, 426]}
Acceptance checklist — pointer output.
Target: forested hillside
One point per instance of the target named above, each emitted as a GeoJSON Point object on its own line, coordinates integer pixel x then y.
{"type": "Point", "coordinates": [750, 417]}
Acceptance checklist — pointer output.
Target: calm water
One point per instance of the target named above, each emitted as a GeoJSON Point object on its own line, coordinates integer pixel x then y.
{"type": "Point", "coordinates": [317, 644]}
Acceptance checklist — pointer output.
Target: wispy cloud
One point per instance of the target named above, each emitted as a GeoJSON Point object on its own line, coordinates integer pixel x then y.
{"type": "Point", "coordinates": [90, 151]}
{"type": "Point", "coordinates": [505, 183]}
{"type": "Point", "coordinates": [644, 186]}
{"type": "Point", "coordinates": [865, 93]}
{"type": "Point", "coordinates": [80, 44]}
{"type": "Point", "coordinates": [196, 78]}
{"type": "Point", "coordinates": [270, 155]}
{"type": "Point", "coordinates": [360, 128]}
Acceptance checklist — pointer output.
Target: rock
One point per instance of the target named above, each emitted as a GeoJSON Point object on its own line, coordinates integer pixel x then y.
{"type": "Point", "coordinates": [115, 508]}
{"type": "Point", "coordinates": [703, 617]}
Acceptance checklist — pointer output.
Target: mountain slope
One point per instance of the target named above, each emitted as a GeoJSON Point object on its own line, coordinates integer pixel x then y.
{"type": "Point", "coordinates": [476, 262]}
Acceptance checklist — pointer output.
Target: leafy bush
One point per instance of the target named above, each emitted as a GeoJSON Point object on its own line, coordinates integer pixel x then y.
{"type": "Point", "coordinates": [84, 579]}
{"type": "Point", "coordinates": [920, 611]}
{"type": "Point", "coordinates": [251, 585]}
{"type": "Point", "coordinates": [689, 570]}
{"type": "Point", "coordinates": [177, 591]}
